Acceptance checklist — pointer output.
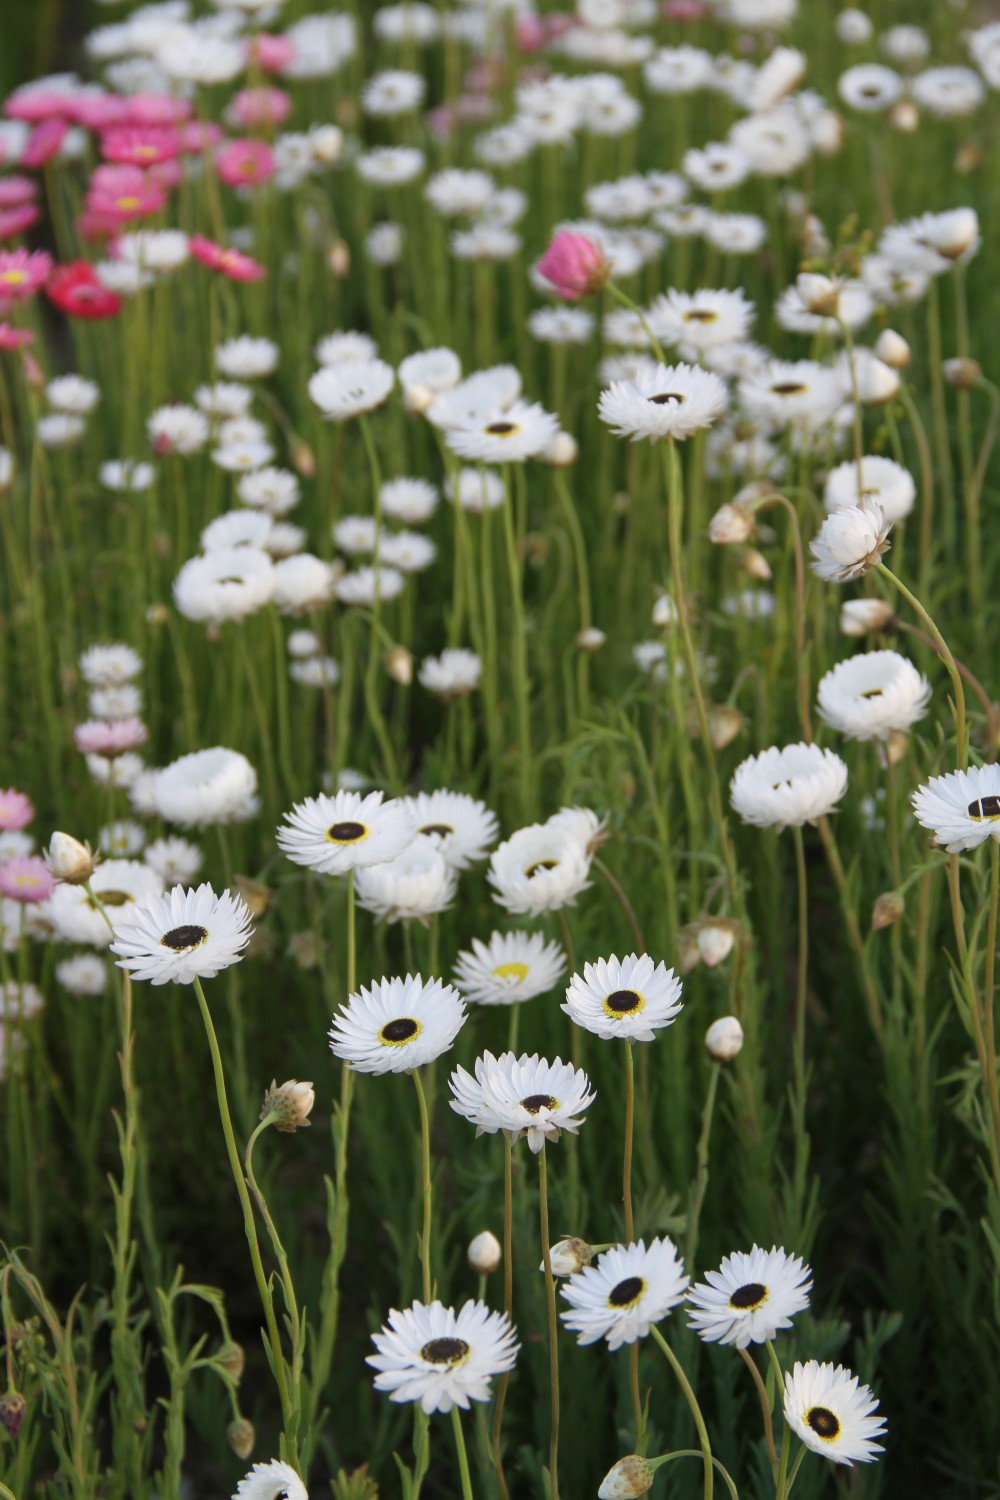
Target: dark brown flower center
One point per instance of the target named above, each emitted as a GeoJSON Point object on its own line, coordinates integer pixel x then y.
{"type": "Point", "coordinates": [667, 398]}
{"type": "Point", "coordinates": [540, 864]}
{"type": "Point", "coordinates": [789, 388]}
{"type": "Point", "coordinates": [346, 833]}
{"type": "Point", "coordinates": [441, 829]}
{"type": "Point", "coordinates": [701, 315]}
{"type": "Point", "coordinates": [444, 1351]}
{"type": "Point", "coordinates": [502, 429]}
{"type": "Point", "coordinates": [180, 938]}
{"type": "Point", "coordinates": [626, 1292]}
{"type": "Point", "coordinates": [621, 1002]}
{"type": "Point", "coordinates": [399, 1030]}
{"type": "Point", "coordinates": [824, 1422]}
{"type": "Point", "coordinates": [114, 898]}
{"type": "Point", "coordinates": [987, 809]}
{"type": "Point", "coordinates": [535, 1102]}
{"type": "Point", "coordinates": [754, 1294]}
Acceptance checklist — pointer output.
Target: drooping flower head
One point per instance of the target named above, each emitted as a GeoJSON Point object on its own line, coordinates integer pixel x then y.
{"type": "Point", "coordinates": [850, 541]}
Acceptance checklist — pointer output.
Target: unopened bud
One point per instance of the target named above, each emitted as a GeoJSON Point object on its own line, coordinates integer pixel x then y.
{"type": "Point", "coordinates": [484, 1253]}
{"type": "Point", "coordinates": [12, 1409]}
{"type": "Point", "coordinates": [69, 860]}
{"type": "Point", "coordinates": [731, 523]}
{"type": "Point", "coordinates": [562, 452]}
{"type": "Point", "coordinates": [291, 1103]}
{"type": "Point", "coordinates": [724, 1039]}
{"type": "Point", "coordinates": [756, 564]}
{"type": "Point", "coordinates": [256, 895]}
{"type": "Point", "coordinates": [399, 665]}
{"type": "Point", "coordinates": [896, 745]}
{"type": "Point", "coordinates": [591, 639]}
{"type": "Point", "coordinates": [818, 294]}
{"type": "Point", "coordinates": [241, 1437]}
{"type": "Point", "coordinates": [724, 723]}
{"type": "Point", "coordinates": [715, 940]}
{"type": "Point", "coordinates": [688, 952]}
{"type": "Point", "coordinates": [866, 617]}
{"type": "Point", "coordinates": [417, 398]}
{"type": "Point", "coordinates": [664, 613]}
{"type": "Point", "coordinates": [232, 1359]}
{"type": "Point", "coordinates": [568, 1256]}
{"type": "Point", "coordinates": [888, 908]}
{"type": "Point", "coordinates": [630, 1476]}
{"type": "Point", "coordinates": [904, 116]}
{"type": "Point", "coordinates": [327, 143]}
{"type": "Point", "coordinates": [892, 349]}
{"type": "Point", "coordinates": [338, 258]}
{"type": "Point", "coordinates": [962, 373]}
{"type": "Point", "coordinates": [303, 459]}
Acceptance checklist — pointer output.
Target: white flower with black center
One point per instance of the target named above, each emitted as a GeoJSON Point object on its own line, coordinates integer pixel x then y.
{"type": "Point", "coordinates": [850, 541]}
{"type": "Point", "coordinates": [625, 1291]}
{"type": "Point", "coordinates": [396, 91]}
{"type": "Point", "coordinates": [441, 1358]}
{"type": "Point", "coordinates": [271, 1481]}
{"type": "Point", "coordinates": [538, 869]}
{"type": "Point", "coordinates": [881, 479]}
{"type": "Point", "coordinates": [350, 389]}
{"type": "Point", "coordinates": [414, 886]}
{"type": "Point", "coordinates": [119, 884]}
{"type": "Point", "coordinates": [229, 583]}
{"type": "Point", "coordinates": [870, 87]}
{"type": "Point", "coordinates": [870, 696]}
{"type": "Point", "coordinates": [750, 1297]}
{"type": "Point", "coordinates": [790, 393]}
{"type": "Point", "coordinates": [630, 998]}
{"type": "Point", "coordinates": [784, 788]}
{"type": "Point", "coordinates": [508, 968]}
{"type": "Point", "coordinates": [664, 402]}
{"type": "Point", "coordinates": [397, 1025]}
{"type": "Point", "coordinates": [962, 808]}
{"type": "Point", "coordinates": [464, 827]}
{"type": "Point", "coordinates": [832, 1413]}
{"type": "Point", "coordinates": [505, 435]}
{"type": "Point", "coordinates": [695, 322]}
{"type": "Point", "coordinates": [522, 1096]}
{"type": "Point", "coordinates": [340, 833]}
{"type": "Point", "coordinates": [183, 935]}
{"type": "Point", "coordinates": [207, 786]}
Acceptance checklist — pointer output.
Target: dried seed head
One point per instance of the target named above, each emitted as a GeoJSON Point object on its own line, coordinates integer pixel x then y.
{"type": "Point", "coordinates": [962, 373]}
{"type": "Point", "coordinates": [630, 1477]}
{"type": "Point", "coordinates": [399, 665]}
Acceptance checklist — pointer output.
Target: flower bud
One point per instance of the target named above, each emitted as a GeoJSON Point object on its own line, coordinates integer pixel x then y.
{"type": "Point", "coordinates": [892, 349]}
{"type": "Point", "coordinates": [417, 398]}
{"type": "Point", "coordinates": [895, 747]}
{"type": "Point", "coordinates": [715, 940]}
{"type": "Point", "coordinates": [756, 564]}
{"type": "Point", "coordinates": [69, 860]}
{"type": "Point", "coordinates": [255, 894]}
{"type": "Point", "coordinates": [819, 294]}
{"type": "Point", "coordinates": [562, 452]}
{"type": "Point", "coordinates": [688, 952]}
{"type": "Point", "coordinates": [724, 1039]}
{"type": "Point", "coordinates": [241, 1437]}
{"type": "Point", "coordinates": [568, 1256]}
{"type": "Point", "coordinates": [484, 1253]}
{"type": "Point", "coordinates": [12, 1409]}
{"type": "Point", "coordinates": [303, 949]}
{"type": "Point", "coordinates": [630, 1476]}
{"type": "Point", "coordinates": [731, 523]}
{"type": "Point", "coordinates": [338, 258]}
{"type": "Point", "coordinates": [904, 116]}
{"type": "Point", "coordinates": [399, 665]}
{"type": "Point", "coordinates": [303, 459]}
{"type": "Point", "coordinates": [291, 1104]}
{"type": "Point", "coordinates": [888, 908]}
{"type": "Point", "coordinates": [574, 265]}
{"type": "Point", "coordinates": [231, 1358]}
{"type": "Point", "coordinates": [724, 723]}
{"type": "Point", "coordinates": [664, 613]}
{"type": "Point", "coordinates": [962, 373]}
{"type": "Point", "coordinates": [327, 143]}
{"type": "Point", "coordinates": [590, 639]}
{"type": "Point", "coordinates": [968, 157]}
{"type": "Point", "coordinates": [866, 617]}
{"type": "Point", "coordinates": [854, 28]}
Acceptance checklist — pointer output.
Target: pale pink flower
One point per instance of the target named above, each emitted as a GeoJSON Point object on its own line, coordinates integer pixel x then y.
{"type": "Point", "coordinates": [574, 265]}
{"type": "Point", "coordinates": [261, 106]}
{"type": "Point", "coordinates": [14, 338]}
{"type": "Point", "coordinates": [26, 878]}
{"type": "Point", "coordinates": [98, 111]}
{"type": "Point", "coordinates": [95, 737]}
{"type": "Point", "coordinates": [245, 163]}
{"type": "Point", "coordinates": [123, 193]}
{"type": "Point", "coordinates": [272, 54]}
{"type": "Point", "coordinates": [15, 190]}
{"type": "Point", "coordinates": [16, 809]}
{"type": "Point", "coordinates": [22, 272]}
{"type": "Point", "coordinates": [157, 109]}
{"type": "Point", "coordinates": [44, 142]}
{"type": "Point", "coordinates": [34, 105]}
{"type": "Point", "coordinates": [15, 221]}
{"type": "Point", "coordinates": [199, 136]}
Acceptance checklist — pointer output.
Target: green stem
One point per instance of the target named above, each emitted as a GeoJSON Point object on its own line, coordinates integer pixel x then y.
{"type": "Point", "coordinates": [425, 1177]}
{"type": "Point", "coordinates": [799, 1052]}
{"type": "Point", "coordinates": [508, 1305]}
{"type": "Point", "coordinates": [553, 1325]}
{"type": "Point", "coordinates": [701, 1169]}
{"type": "Point", "coordinates": [692, 1401]}
{"type": "Point", "coordinates": [944, 651]}
{"type": "Point", "coordinates": [519, 651]}
{"type": "Point", "coordinates": [463, 1457]}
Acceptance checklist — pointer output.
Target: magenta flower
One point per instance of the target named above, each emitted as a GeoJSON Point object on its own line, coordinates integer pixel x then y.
{"type": "Point", "coordinates": [12, 338]}
{"type": "Point", "coordinates": [16, 810]}
{"type": "Point", "coordinates": [15, 221]}
{"type": "Point", "coordinates": [245, 163]}
{"type": "Point", "coordinates": [26, 878]}
{"type": "Point", "coordinates": [35, 105]}
{"type": "Point", "coordinates": [16, 189]}
{"type": "Point", "coordinates": [121, 193]}
{"type": "Point", "coordinates": [95, 737]}
{"type": "Point", "coordinates": [140, 145]}
{"type": "Point", "coordinates": [574, 265]}
{"type": "Point", "coordinates": [22, 272]}
{"type": "Point", "coordinates": [44, 142]}
{"type": "Point", "coordinates": [232, 263]}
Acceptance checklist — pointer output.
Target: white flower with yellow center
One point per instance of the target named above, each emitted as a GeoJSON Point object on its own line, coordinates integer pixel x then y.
{"type": "Point", "coordinates": [750, 1297]}
{"type": "Point", "coordinates": [397, 1025]}
{"type": "Point", "coordinates": [118, 884]}
{"type": "Point", "coordinates": [832, 1413]}
{"type": "Point", "coordinates": [339, 833]}
{"type": "Point", "coordinates": [508, 968]}
{"type": "Point", "coordinates": [441, 1358]}
{"type": "Point", "coordinates": [625, 1291]}
{"type": "Point", "coordinates": [630, 998]}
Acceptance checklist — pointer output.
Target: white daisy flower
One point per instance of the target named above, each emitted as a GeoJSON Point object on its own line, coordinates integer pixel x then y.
{"type": "Point", "coordinates": [832, 1413]}
{"type": "Point", "coordinates": [207, 786]}
{"type": "Point", "coordinates": [784, 788]}
{"type": "Point", "coordinates": [365, 585]}
{"type": "Point", "coordinates": [505, 435]}
{"type": "Point", "coordinates": [356, 535]}
{"type": "Point", "coordinates": [122, 838]}
{"type": "Point", "coordinates": [413, 886]}
{"type": "Point", "coordinates": [236, 528]}
{"type": "Point", "coordinates": [174, 859]}
{"type": "Point", "coordinates": [302, 584]}
{"type": "Point", "coordinates": [433, 370]}
{"type": "Point", "coordinates": [538, 869]}
{"type": "Point", "coordinates": [407, 550]}
{"type": "Point", "coordinates": [625, 1291]}
{"type": "Point", "coordinates": [228, 583]}
{"type": "Point", "coordinates": [630, 998]}
{"type": "Point", "coordinates": [118, 884]}
{"type": "Point", "coordinates": [797, 393]}
{"type": "Point", "coordinates": [453, 674]}
{"type": "Point", "coordinates": [454, 192]}
{"type": "Point", "coordinates": [352, 388]}
{"type": "Point", "coordinates": [246, 358]}
{"type": "Point", "coordinates": [869, 696]}
{"type": "Point", "coordinates": [344, 832]}
{"type": "Point", "coordinates": [59, 429]}
{"type": "Point", "coordinates": [463, 826]}
{"type": "Point", "coordinates": [272, 1480]}
{"type": "Point", "coordinates": [84, 974]}
{"type": "Point", "coordinates": [183, 935]}
{"type": "Point", "coordinates": [226, 399]}
{"type": "Point", "coordinates": [667, 401]}
{"type": "Point", "coordinates": [750, 1297]}
{"type": "Point", "coordinates": [411, 501]}
{"type": "Point", "coordinates": [441, 1358]}
{"type": "Point", "coordinates": [126, 475]}
{"type": "Point", "coordinates": [870, 87]}
{"type": "Point", "coordinates": [697, 321]}
{"type": "Point", "coordinates": [395, 91]}
{"type": "Point", "coordinates": [522, 1096]}
{"type": "Point", "coordinates": [850, 541]}
{"type": "Point", "coordinates": [390, 166]}
{"type": "Point", "coordinates": [508, 968]}
{"type": "Point", "coordinates": [315, 671]}
{"type": "Point", "coordinates": [346, 347]}
{"type": "Point", "coordinates": [882, 479]}
{"type": "Point", "coordinates": [962, 808]}
{"type": "Point", "coordinates": [476, 490]}
{"type": "Point", "coordinates": [397, 1025]}
{"type": "Point", "coordinates": [275, 491]}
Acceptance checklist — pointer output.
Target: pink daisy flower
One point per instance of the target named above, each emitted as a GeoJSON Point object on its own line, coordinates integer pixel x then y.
{"type": "Point", "coordinates": [261, 106]}
{"type": "Point", "coordinates": [16, 189]}
{"type": "Point", "coordinates": [272, 54]}
{"type": "Point", "coordinates": [22, 272]}
{"type": "Point", "coordinates": [44, 142]}
{"type": "Point", "coordinates": [16, 809]}
{"type": "Point", "coordinates": [140, 145]}
{"type": "Point", "coordinates": [26, 878]}
{"type": "Point", "coordinates": [34, 105]}
{"type": "Point", "coordinates": [99, 111]}
{"type": "Point", "coordinates": [95, 737]}
{"type": "Point", "coordinates": [157, 109]}
{"type": "Point", "coordinates": [232, 263]}
{"type": "Point", "coordinates": [15, 221]}
{"type": "Point", "coordinates": [199, 136]}
{"type": "Point", "coordinates": [12, 338]}
{"type": "Point", "coordinates": [245, 163]}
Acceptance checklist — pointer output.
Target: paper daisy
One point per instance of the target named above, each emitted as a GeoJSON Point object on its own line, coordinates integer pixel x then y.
{"type": "Point", "coordinates": [519, 431]}
{"type": "Point", "coordinates": [411, 887]}
{"type": "Point", "coordinates": [523, 1096]}
{"type": "Point", "coordinates": [441, 1358]}
{"type": "Point", "coordinates": [118, 884]}
{"type": "Point", "coordinates": [625, 1291]}
{"type": "Point", "coordinates": [463, 826]}
{"type": "Point", "coordinates": [397, 1025]}
{"type": "Point", "coordinates": [850, 541]}
{"type": "Point", "coordinates": [630, 998]}
{"type": "Point", "coordinates": [784, 788]}
{"type": "Point", "coordinates": [962, 809]}
{"type": "Point", "coordinates": [336, 834]}
{"type": "Point", "coordinates": [181, 936]}
{"type": "Point", "coordinates": [749, 1297]}
{"type": "Point", "coordinates": [666, 401]}
{"type": "Point", "coordinates": [269, 1482]}
{"type": "Point", "coordinates": [539, 868]}
{"type": "Point", "coordinates": [508, 968]}
{"type": "Point", "coordinates": [868, 697]}
{"type": "Point", "coordinates": [832, 1413]}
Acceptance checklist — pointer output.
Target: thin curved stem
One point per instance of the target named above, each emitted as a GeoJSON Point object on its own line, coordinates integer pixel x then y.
{"type": "Point", "coordinates": [799, 1052]}
{"type": "Point", "coordinates": [765, 1407]}
{"type": "Point", "coordinates": [692, 1401]}
{"type": "Point", "coordinates": [944, 651]}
